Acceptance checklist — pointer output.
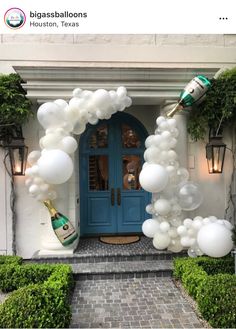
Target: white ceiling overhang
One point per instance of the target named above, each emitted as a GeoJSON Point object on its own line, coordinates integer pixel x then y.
{"type": "Point", "coordinates": [149, 86]}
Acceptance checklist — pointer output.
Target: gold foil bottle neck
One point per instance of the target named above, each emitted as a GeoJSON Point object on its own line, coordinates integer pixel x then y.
{"type": "Point", "coordinates": [178, 107]}
{"type": "Point", "coordinates": [50, 207]}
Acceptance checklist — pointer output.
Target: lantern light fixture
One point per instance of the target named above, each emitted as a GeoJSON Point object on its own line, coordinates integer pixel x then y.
{"type": "Point", "coordinates": [215, 154]}
{"type": "Point", "coordinates": [12, 139]}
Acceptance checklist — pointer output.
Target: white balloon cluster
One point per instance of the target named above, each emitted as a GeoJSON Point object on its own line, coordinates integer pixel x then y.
{"type": "Point", "coordinates": [172, 193]}
{"type": "Point", "coordinates": [53, 165]}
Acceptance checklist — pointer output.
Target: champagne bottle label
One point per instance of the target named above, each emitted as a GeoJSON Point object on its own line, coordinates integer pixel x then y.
{"type": "Point", "coordinates": [194, 90]}
{"type": "Point", "coordinates": [65, 233]}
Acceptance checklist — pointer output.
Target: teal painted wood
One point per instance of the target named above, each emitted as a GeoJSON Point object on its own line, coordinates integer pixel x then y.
{"type": "Point", "coordinates": [98, 214]}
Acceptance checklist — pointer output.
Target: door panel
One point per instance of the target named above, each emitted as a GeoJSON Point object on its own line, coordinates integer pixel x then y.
{"type": "Point", "coordinates": [111, 154]}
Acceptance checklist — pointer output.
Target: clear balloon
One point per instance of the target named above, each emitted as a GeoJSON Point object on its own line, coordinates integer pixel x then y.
{"type": "Point", "coordinates": [189, 196]}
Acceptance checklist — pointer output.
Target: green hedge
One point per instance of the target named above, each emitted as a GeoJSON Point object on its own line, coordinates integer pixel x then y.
{"type": "Point", "coordinates": [210, 281]}
{"type": "Point", "coordinates": [10, 260]}
{"type": "Point", "coordinates": [41, 296]}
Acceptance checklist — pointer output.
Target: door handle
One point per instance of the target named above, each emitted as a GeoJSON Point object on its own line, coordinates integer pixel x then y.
{"type": "Point", "coordinates": [118, 197]}
{"type": "Point", "coordinates": [112, 196]}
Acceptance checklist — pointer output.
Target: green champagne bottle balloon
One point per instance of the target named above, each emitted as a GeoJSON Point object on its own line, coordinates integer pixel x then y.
{"type": "Point", "coordinates": [61, 225]}
{"type": "Point", "coordinates": [192, 93]}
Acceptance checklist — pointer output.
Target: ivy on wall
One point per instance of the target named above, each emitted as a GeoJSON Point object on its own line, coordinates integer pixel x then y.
{"type": "Point", "coordinates": [218, 110]}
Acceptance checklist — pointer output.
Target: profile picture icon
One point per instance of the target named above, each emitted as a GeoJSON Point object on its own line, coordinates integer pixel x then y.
{"type": "Point", "coordinates": [14, 18]}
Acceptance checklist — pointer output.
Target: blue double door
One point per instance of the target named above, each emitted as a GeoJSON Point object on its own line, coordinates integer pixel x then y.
{"type": "Point", "coordinates": [111, 158]}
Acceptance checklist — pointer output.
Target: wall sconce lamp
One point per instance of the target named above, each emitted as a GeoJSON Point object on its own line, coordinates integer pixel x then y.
{"type": "Point", "coordinates": [215, 154]}
{"type": "Point", "coordinates": [12, 139]}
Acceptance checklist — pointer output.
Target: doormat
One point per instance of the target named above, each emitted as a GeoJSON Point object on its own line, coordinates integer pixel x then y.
{"type": "Point", "coordinates": [119, 239]}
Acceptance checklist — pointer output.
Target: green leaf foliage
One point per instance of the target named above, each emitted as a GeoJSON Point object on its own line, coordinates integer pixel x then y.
{"type": "Point", "coordinates": [40, 298]}
{"type": "Point", "coordinates": [212, 283]}
{"type": "Point", "coordinates": [218, 109]}
{"type": "Point", "coordinates": [217, 300]}
{"type": "Point", "coordinates": [14, 105]}
{"type": "Point", "coordinates": [10, 260]}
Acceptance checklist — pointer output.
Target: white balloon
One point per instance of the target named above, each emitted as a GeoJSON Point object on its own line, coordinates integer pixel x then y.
{"type": "Point", "coordinates": [172, 155]}
{"type": "Point", "coordinates": [61, 102]}
{"type": "Point", "coordinates": [68, 144]}
{"type": "Point", "coordinates": [150, 227]}
{"type": "Point", "coordinates": [79, 127]}
{"type": "Point", "coordinates": [160, 119]}
{"type": "Point", "coordinates": [188, 222]}
{"type": "Point", "coordinates": [150, 209]}
{"type": "Point", "coordinates": [33, 157]}
{"type": "Point", "coordinates": [28, 182]}
{"type": "Point", "coordinates": [149, 141]}
{"type": "Point", "coordinates": [162, 207]}
{"type": "Point", "coordinates": [172, 123]}
{"type": "Point", "coordinates": [77, 92]}
{"type": "Point", "coordinates": [164, 227]}
{"type": "Point", "coordinates": [197, 224]}
{"type": "Point", "coordinates": [34, 189]}
{"type": "Point", "coordinates": [227, 224]}
{"type": "Point", "coordinates": [182, 230]}
{"type": "Point", "coordinates": [50, 115]}
{"type": "Point", "coordinates": [101, 98]}
{"type": "Point", "coordinates": [55, 167]}
{"type": "Point", "coordinates": [153, 178]}
{"type": "Point", "coordinates": [151, 154]}
{"type": "Point", "coordinates": [121, 92]}
{"type": "Point", "coordinates": [215, 240]}
{"type": "Point", "coordinates": [161, 240]}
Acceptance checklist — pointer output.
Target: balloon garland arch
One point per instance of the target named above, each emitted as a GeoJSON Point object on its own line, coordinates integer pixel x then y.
{"type": "Point", "coordinates": [160, 175]}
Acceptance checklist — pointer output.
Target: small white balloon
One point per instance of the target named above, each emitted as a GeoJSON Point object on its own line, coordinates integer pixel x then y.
{"type": "Point", "coordinates": [160, 119]}
{"type": "Point", "coordinates": [162, 207]}
{"type": "Point", "coordinates": [188, 222]}
{"type": "Point", "coordinates": [161, 240]}
{"type": "Point", "coordinates": [182, 230]}
{"type": "Point", "coordinates": [69, 144]}
{"type": "Point", "coordinates": [164, 227]}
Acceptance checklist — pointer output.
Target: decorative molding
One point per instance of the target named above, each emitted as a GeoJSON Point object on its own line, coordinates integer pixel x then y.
{"type": "Point", "coordinates": [150, 86]}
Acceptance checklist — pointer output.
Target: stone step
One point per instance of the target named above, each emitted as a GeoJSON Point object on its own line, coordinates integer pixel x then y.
{"type": "Point", "coordinates": [107, 258]}
{"type": "Point", "coordinates": [122, 270]}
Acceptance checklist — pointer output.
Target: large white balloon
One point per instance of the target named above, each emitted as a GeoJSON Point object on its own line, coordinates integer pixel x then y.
{"type": "Point", "coordinates": [153, 178]}
{"type": "Point", "coordinates": [55, 167]}
{"type": "Point", "coordinates": [215, 240]}
{"type": "Point", "coordinates": [150, 227]}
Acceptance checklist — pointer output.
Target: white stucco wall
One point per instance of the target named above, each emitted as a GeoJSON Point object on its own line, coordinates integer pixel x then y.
{"type": "Point", "coordinates": [142, 51]}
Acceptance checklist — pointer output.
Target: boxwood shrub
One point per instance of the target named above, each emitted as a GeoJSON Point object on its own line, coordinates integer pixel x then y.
{"type": "Point", "coordinates": [211, 282]}
{"type": "Point", "coordinates": [41, 296]}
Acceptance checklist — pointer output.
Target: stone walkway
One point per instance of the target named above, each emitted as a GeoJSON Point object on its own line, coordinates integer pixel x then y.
{"type": "Point", "coordinates": [131, 303]}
